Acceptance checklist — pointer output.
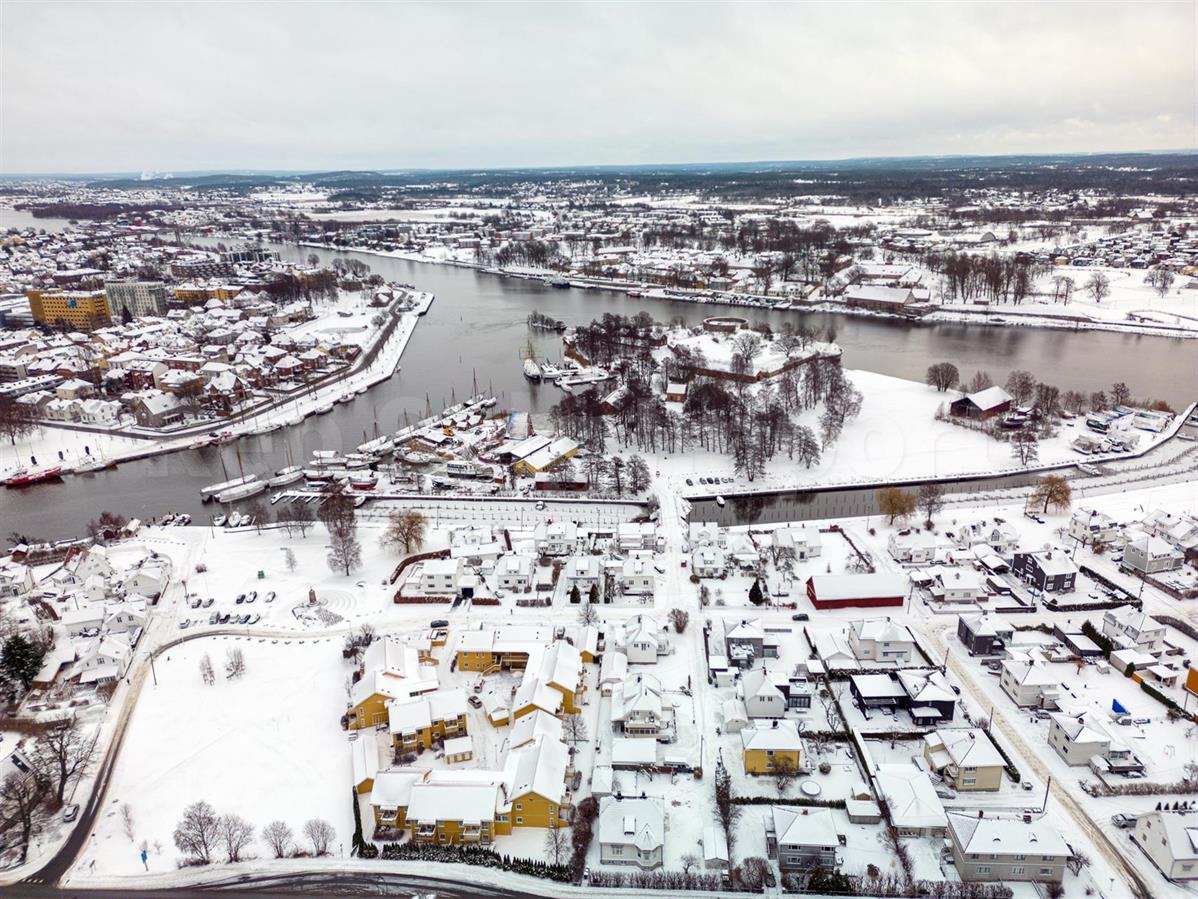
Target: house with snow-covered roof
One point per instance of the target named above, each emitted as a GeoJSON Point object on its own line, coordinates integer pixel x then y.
{"type": "Point", "coordinates": [632, 831]}
{"type": "Point", "coordinates": [986, 848]}
{"type": "Point", "coordinates": [965, 757]}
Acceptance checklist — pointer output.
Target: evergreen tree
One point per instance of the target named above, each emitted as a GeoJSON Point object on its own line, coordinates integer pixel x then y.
{"type": "Point", "coordinates": [21, 660]}
{"type": "Point", "coordinates": [755, 595]}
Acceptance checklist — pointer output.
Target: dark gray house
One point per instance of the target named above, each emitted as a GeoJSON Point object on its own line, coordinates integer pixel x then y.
{"type": "Point", "coordinates": [983, 634]}
{"type": "Point", "coordinates": [1048, 570]}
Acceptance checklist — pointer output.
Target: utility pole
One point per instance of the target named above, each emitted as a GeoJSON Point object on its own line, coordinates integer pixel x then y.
{"type": "Point", "coordinates": [1047, 787]}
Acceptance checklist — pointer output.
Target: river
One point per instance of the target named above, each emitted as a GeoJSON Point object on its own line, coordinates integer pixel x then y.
{"type": "Point", "coordinates": [475, 331]}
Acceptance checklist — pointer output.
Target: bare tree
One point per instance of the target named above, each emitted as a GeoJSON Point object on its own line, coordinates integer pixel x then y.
{"type": "Point", "coordinates": [64, 751]}
{"type": "Point", "coordinates": [234, 663]}
{"type": "Point", "coordinates": [690, 862]}
{"type": "Point", "coordinates": [236, 833]}
{"type": "Point", "coordinates": [127, 825]}
{"type": "Point", "coordinates": [1021, 385]}
{"type": "Point", "coordinates": [894, 502]}
{"type": "Point", "coordinates": [320, 834]}
{"type": "Point", "coordinates": [574, 729]}
{"type": "Point", "coordinates": [289, 558]}
{"type": "Point", "coordinates": [1025, 447]}
{"type": "Point", "coordinates": [943, 376]}
{"type": "Point", "coordinates": [199, 831]}
{"type": "Point", "coordinates": [557, 846]}
{"type": "Point", "coordinates": [206, 670]}
{"type": "Point", "coordinates": [1053, 490]}
{"type": "Point", "coordinates": [1099, 286]}
{"type": "Point", "coordinates": [1161, 280]}
{"type": "Point", "coordinates": [345, 553]}
{"type": "Point", "coordinates": [16, 419]}
{"type": "Point", "coordinates": [258, 514]}
{"type": "Point", "coordinates": [930, 499]}
{"type": "Point", "coordinates": [277, 835]}
{"type": "Point", "coordinates": [752, 872]}
{"type": "Point", "coordinates": [980, 381]}
{"type": "Point", "coordinates": [21, 795]}
{"type": "Point", "coordinates": [406, 529]}
{"type": "Point", "coordinates": [679, 618]}
{"type": "Point", "coordinates": [1120, 393]}
{"type": "Point", "coordinates": [588, 614]}
{"type": "Point", "coordinates": [785, 773]}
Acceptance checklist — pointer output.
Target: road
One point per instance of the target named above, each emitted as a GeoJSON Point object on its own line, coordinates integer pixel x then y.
{"type": "Point", "coordinates": [1031, 758]}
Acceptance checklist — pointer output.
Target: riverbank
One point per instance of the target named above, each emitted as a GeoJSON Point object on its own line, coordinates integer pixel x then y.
{"type": "Point", "coordinates": [58, 443]}
{"type": "Point", "coordinates": [1029, 315]}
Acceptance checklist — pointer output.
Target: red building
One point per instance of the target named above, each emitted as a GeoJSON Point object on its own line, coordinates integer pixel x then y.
{"type": "Point", "coordinates": [859, 591]}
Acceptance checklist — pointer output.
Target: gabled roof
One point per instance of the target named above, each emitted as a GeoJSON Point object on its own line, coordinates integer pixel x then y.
{"type": "Point", "coordinates": [1006, 836]}
{"type": "Point", "coordinates": [538, 768]}
{"type": "Point", "coordinates": [805, 827]}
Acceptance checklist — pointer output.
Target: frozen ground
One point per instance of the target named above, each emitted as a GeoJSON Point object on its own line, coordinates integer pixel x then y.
{"type": "Point", "coordinates": [265, 746]}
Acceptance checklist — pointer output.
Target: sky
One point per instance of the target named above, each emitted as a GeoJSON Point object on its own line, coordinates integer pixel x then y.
{"type": "Point", "coordinates": [124, 87]}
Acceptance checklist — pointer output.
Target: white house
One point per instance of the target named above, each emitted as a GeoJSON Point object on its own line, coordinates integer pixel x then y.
{"type": "Point", "coordinates": [632, 831]}
{"type": "Point", "coordinates": [104, 660]}
{"type": "Point", "coordinates": [1090, 526]}
{"type": "Point", "coordinates": [1150, 555]}
{"type": "Point", "coordinates": [881, 640]}
{"type": "Point", "coordinates": [1030, 684]}
{"type": "Point", "coordinates": [557, 538]}
{"type": "Point", "coordinates": [640, 708]}
{"type": "Point", "coordinates": [913, 547]}
{"type": "Point", "coordinates": [708, 561]}
{"type": "Point", "coordinates": [513, 572]}
{"type": "Point", "coordinates": [583, 572]}
{"type": "Point", "coordinates": [998, 534]}
{"type": "Point", "coordinates": [958, 585]}
{"type": "Point", "coordinates": [1128, 628]}
{"type": "Point", "coordinates": [1171, 840]}
{"type": "Point", "coordinates": [802, 838]}
{"type": "Point", "coordinates": [643, 640]}
{"type": "Point", "coordinates": [440, 576]}
{"type": "Point", "coordinates": [637, 576]}
{"type": "Point", "coordinates": [761, 695]}
{"type": "Point", "coordinates": [613, 671]}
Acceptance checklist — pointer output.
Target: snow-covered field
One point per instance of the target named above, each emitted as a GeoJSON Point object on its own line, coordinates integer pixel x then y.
{"type": "Point", "coordinates": [265, 746]}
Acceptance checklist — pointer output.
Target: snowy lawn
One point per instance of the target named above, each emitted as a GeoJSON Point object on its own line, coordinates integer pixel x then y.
{"type": "Point", "coordinates": [265, 746]}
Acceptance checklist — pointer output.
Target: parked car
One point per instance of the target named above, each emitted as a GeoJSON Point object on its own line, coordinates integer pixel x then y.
{"type": "Point", "coordinates": [269, 597]}
{"type": "Point", "coordinates": [690, 483]}
{"type": "Point", "coordinates": [240, 598]}
{"type": "Point", "coordinates": [1122, 820]}
{"type": "Point", "coordinates": [253, 595]}
{"type": "Point", "coordinates": [214, 618]}
{"type": "Point", "coordinates": [71, 812]}
{"type": "Point", "coordinates": [800, 616]}
{"type": "Point", "coordinates": [475, 702]}
{"type": "Point", "coordinates": [438, 623]}
{"type": "Point", "coordinates": [1141, 720]}
{"type": "Point", "coordinates": [208, 602]}
{"type": "Point", "coordinates": [195, 603]}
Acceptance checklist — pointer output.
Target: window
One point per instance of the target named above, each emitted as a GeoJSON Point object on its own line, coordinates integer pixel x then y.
{"type": "Point", "coordinates": [983, 869]}
{"type": "Point", "coordinates": [1046, 870]}
{"type": "Point", "coordinates": [1018, 869]}
{"type": "Point", "coordinates": [519, 820]}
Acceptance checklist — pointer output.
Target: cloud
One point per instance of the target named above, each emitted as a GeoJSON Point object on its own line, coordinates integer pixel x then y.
{"type": "Point", "coordinates": [96, 87]}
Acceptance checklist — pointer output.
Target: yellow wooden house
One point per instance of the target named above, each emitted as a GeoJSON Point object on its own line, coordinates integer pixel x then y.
{"type": "Point", "coordinates": [416, 724]}
{"type": "Point", "coordinates": [771, 744]}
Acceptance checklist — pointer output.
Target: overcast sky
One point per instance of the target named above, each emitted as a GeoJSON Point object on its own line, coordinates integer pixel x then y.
{"type": "Point", "coordinates": [96, 87]}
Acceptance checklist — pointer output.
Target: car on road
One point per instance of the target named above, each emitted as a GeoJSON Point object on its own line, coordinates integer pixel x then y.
{"type": "Point", "coordinates": [71, 812]}
{"type": "Point", "coordinates": [800, 616]}
{"type": "Point", "coordinates": [1141, 720]}
{"type": "Point", "coordinates": [540, 506]}
{"type": "Point", "coordinates": [475, 702]}
{"type": "Point", "coordinates": [1122, 820]}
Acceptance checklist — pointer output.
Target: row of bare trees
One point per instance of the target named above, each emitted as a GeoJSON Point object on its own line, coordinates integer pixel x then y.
{"type": "Point", "coordinates": [202, 835]}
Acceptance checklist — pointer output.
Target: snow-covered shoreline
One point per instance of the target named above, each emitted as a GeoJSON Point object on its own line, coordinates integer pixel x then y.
{"type": "Point", "coordinates": [997, 316]}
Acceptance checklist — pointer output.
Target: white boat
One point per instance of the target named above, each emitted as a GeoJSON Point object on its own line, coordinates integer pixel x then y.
{"type": "Point", "coordinates": [358, 460]}
{"type": "Point", "coordinates": [584, 377]}
{"type": "Point", "coordinates": [323, 408]}
{"type": "Point", "coordinates": [459, 468]}
{"type": "Point", "coordinates": [234, 519]}
{"type": "Point", "coordinates": [359, 501]}
{"type": "Point", "coordinates": [551, 372]}
{"type": "Point", "coordinates": [285, 476]}
{"type": "Point", "coordinates": [361, 390]}
{"type": "Point", "coordinates": [364, 480]}
{"type": "Point", "coordinates": [207, 493]}
{"type": "Point", "coordinates": [719, 501]}
{"type": "Point", "coordinates": [489, 402]}
{"type": "Point", "coordinates": [327, 459]}
{"type": "Point", "coordinates": [345, 398]}
{"type": "Point", "coordinates": [94, 465]}
{"type": "Point", "coordinates": [380, 446]}
{"type": "Point", "coordinates": [413, 458]}
{"type": "Point", "coordinates": [1087, 468]}
{"type": "Point", "coordinates": [532, 371]}
{"type": "Point", "coordinates": [242, 491]}
{"type": "Point", "coordinates": [219, 521]}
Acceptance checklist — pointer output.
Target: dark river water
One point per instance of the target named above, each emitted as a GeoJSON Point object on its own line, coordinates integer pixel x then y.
{"type": "Point", "coordinates": [474, 334]}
